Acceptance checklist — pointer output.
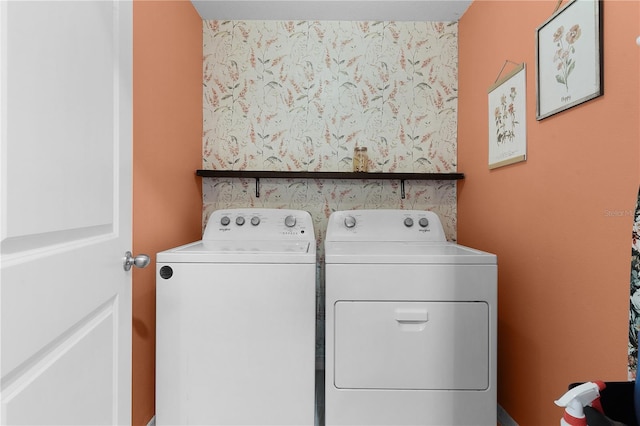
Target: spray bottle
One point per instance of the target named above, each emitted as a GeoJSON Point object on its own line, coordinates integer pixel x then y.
{"type": "Point", "coordinates": [576, 399]}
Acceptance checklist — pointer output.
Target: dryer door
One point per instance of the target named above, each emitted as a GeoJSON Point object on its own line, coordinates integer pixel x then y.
{"type": "Point", "coordinates": [411, 345]}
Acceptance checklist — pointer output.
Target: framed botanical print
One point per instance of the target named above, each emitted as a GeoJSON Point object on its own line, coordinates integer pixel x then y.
{"type": "Point", "coordinates": [569, 58]}
{"type": "Point", "coordinates": [508, 119]}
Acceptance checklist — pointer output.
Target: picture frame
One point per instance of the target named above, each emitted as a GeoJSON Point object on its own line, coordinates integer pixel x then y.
{"type": "Point", "coordinates": [508, 118]}
{"type": "Point", "coordinates": [569, 58]}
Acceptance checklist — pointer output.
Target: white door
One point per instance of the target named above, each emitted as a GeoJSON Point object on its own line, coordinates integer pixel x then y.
{"type": "Point", "coordinates": [66, 126]}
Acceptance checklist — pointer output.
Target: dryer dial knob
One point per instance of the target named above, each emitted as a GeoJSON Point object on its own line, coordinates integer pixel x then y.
{"type": "Point", "coordinates": [424, 222]}
{"type": "Point", "coordinates": [255, 221]}
{"type": "Point", "coordinates": [224, 221]}
{"type": "Point", "coordinates": [239, 220]}
{"type": "Point", "coordinates": [408, 222]}
{"type": "Point", "coordinates": [349, 221]}
{"type": "Point", "coordinates": [290, 221]}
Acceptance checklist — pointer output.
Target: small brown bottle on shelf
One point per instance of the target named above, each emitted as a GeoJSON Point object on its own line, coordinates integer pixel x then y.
{"type": "Point", "coordinates": [360, 159]}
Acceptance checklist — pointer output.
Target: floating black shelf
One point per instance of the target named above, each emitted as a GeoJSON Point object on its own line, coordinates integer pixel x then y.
{"type": "Point", "coordinates": [328, 175]}
{"type": "Point", "coordinates": [257, 174]}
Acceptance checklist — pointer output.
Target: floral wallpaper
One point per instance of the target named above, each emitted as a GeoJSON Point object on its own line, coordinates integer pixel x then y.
{"type": "Point", "coordinates": [300, 96]}
{"type": "Point", "coordinates": [283, 95]}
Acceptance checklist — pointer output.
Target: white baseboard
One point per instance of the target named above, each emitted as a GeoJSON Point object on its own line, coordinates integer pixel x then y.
{"type": "Point", "coordinates": [152, 422]}
{"type": "Point", "coordinates": [504, 419]}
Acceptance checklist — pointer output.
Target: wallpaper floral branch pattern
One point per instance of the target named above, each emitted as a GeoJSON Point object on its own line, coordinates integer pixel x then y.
{"type": "Point", "coordinates": [300, 96]}
{"type": "Point", "coordinates": [282, 95]}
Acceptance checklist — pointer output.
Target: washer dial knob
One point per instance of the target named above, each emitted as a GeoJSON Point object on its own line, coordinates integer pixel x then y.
{"type": "Point", "coordinates": [239, 220]}
{"type": "Point", "coordinates": [255, 221]}
{"type": "Point", "coordinates": [424, 222]}
{"type": "Point", "coordinates": [408, 222]}
{"type": "Point", "coordinates": [349, 221]}
{"type": "Point", "coordinates": [224, 220]}
{"type": "Point", "coordinates": [290, 221]}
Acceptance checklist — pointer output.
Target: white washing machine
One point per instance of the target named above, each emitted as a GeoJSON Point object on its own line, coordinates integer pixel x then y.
{"type": "Point", "coordinates": [411, 323]}
{"type": "Point", "coordinates": [235, 322]}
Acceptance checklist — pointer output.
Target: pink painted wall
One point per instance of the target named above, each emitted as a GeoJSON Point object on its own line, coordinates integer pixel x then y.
{"type": "Point", "coordinates": [560, 222]}
{"type": "Point", "coordinates": [167, 149]}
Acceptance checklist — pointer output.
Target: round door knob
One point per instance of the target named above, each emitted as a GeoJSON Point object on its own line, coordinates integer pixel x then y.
{"type": "Point", "coordinates": [140, 261]}
{"type": "Point", "coordinates": [408, 222]}
{"type": "Point", "coordinates": [255, 221]}
{"type": "Point", "coordinates": [424, 222]}
{"type": "Point", "coordinates": [239, 220]}
{"type": "Point", "coordinates": [349, 221]}
{"type": "Point", "coordinates": [290, 221]}
{"type": "Point", "coordinates": [224, 221]}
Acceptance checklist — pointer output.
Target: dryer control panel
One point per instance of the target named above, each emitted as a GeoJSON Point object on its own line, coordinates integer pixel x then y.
{"type": "Point", "coordinates": [259, 224]}
{"type": "Point", "coordinates": [385, 225]}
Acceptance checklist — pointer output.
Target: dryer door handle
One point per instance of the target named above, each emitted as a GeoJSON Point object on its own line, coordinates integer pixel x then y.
{"type": "Point", "coordinates": [411, 316]}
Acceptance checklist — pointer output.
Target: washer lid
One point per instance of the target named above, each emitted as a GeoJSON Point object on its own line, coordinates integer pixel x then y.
{"type": "Point", "coordinates": [232, 251]}
{"type": "Point", "coordinates": [404, 252]}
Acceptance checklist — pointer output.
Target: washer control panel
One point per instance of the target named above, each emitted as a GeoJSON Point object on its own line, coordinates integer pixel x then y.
{"type": "Point", "coordinates": [255, 224]}
{"type": "Point", "coordinates": [385, 225]}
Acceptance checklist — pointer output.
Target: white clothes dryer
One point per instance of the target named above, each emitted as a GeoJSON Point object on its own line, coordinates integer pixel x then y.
{"type": "Point", "coordinates": [235, 321]}
{"type": "Point", "coordinates": [411, 323]}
